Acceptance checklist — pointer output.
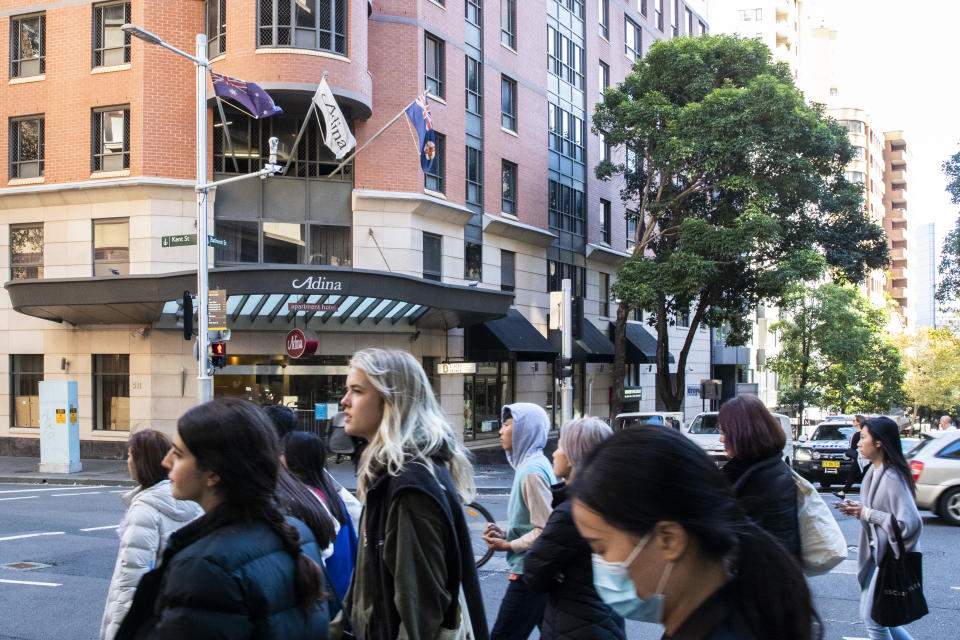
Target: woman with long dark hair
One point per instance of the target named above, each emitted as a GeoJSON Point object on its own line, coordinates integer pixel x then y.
{"type": "Point", "coordinates": [243, 570]}
{"type": "Point", "coordinates": [887, 493]}
{"type": "Point", "coordinates": [763, 483]}
{"type": "Point", "coordinates": [859, 467]}
{"type": "Point", "coordinates": [672, 546]}
{"type": "Point", "coordinates": [305, 456]}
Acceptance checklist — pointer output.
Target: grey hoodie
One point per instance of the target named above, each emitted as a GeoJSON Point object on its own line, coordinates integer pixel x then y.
{"type": "Point", "coordinates": [530, 427]}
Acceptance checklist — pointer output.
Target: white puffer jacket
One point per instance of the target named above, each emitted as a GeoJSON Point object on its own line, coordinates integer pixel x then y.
{"type": "Point", "coordinates": [152, 515]}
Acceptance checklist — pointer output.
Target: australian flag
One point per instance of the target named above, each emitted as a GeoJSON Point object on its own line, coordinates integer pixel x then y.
{"type": "Point", "coordinates": [257, 101]}
{"type": "Point", "coordinates": [419, 114]}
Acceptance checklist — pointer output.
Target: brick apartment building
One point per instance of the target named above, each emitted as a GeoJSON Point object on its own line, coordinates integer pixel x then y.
{"type": "Point", "coordinates": [100, 133]}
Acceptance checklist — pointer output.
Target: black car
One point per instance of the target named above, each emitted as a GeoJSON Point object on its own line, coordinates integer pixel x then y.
{"type": "Point", "coordinates": [822, 458]}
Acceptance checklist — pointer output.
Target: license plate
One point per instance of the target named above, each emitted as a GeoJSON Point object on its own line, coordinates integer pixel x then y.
{"type": "Point", "coordinates": [831, 464]}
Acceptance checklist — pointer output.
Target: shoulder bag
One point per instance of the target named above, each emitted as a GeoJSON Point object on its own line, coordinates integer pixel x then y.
{"type": "Point", "coordinates": [822, 545]}
{"type": "Point", "coordinates": [898, 590]}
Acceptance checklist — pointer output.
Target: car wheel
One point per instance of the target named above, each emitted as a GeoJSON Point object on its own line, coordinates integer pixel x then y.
{"type": "Point", "coordinates": [950, 506]}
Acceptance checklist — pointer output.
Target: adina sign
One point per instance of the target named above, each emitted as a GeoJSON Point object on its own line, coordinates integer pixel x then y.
{"type": "Point", "coordinates": [301, 344]}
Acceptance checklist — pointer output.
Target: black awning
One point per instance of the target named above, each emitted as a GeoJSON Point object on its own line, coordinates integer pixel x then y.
{"type": "Point", "coordinates": [641, 346]}
{"type": "Point", "coordinates": [512, 337]}
{"type": "Point", "coordinates": [592, 347]}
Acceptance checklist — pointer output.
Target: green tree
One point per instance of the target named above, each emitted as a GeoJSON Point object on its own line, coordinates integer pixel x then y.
{"type": "Point", "coordinates": [931, 358]}
{"type": "Point", "coordinates": [948, 289]}
{"type": "Point", "coordinates": [794, 365]}
{"type": "Point", "coordinates": [737, 188]}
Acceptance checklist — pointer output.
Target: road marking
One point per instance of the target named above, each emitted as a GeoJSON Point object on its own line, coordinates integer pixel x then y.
{"type": "Point", "coordinates": [34, 584]}
{"type": "Point", "coordinates": [957, 588]}
{"type": "Point", "coordinates": [33, 535]}
{"type": "Point", "coordinates": [20, 498]}
{"type": "Point", "coordinates": [109, 526]}
{"type": "Point", "coordinates": [121, 491]}
{"type": "Point", "coordinates": [78, 493]}
{"type": "Point", "coordinates": [51, 489]}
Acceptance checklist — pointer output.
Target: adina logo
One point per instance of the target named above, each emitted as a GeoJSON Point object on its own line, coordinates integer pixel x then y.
{"type": "Point", "coordinates": [319, 283]}
{"type": "Point", "coordinates": [301, 344]}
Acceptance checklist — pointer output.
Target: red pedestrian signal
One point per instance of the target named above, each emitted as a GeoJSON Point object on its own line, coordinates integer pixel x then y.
{"type": "Point", "coordinates": [218, 354]}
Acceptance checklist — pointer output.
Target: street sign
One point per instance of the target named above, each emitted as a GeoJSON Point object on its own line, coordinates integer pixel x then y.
{"type": "Point", "coordinates": [633, 393]}
{"type": "Point", "coordinates": [215, 242]}
{"type": "Point", "coordinates": [182, 240]}
{"type": "Point", "coordinates": [456, 368]}
{"type": "Point", "coordinates": [217, 309]}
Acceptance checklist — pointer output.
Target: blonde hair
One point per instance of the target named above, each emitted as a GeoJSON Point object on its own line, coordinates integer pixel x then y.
{"type": "Point", "coordinates": [579, 436]}
{"type": "Point", "coordinates": [413, 424]}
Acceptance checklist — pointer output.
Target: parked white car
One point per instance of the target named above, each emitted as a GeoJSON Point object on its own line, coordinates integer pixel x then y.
{"type": "Point", "coordinates": [935, 463]}
{"type": "Point", "coordinates": [705, 432]}
{"type": "Point", "coordinates": [664, 418]}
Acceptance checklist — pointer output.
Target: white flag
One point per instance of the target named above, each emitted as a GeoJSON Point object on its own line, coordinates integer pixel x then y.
{"type": "Point", "coordinates": [338, 138]}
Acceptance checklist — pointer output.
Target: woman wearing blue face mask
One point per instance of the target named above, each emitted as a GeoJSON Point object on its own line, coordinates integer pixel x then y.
{"type": "Point", "coordinates": [675, 549]}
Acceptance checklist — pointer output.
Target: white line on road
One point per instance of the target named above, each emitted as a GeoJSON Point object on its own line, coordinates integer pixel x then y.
{"type": "Point", "coordinates": [34, 584]}
{"type": "Point", "coordinates": [78, 493]}
{"type": "Point", "coordinates": [957, 588]}
{"type": "Point", "coordinates": [50, 489]}
{"type": "Point", "coordinates": [19, 498]}
{"type": "Point", "coordinates": [109, 526]}
{"type": "Point", "coordinates": [33, 535]}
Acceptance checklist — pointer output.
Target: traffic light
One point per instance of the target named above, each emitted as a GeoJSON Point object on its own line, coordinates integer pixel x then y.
{"type": "Point", "coordinates": [218, 354]}
{"type": "Point", "coordinates": [565, 370]}
{"type": "Point", "coordinates": [185, 316]}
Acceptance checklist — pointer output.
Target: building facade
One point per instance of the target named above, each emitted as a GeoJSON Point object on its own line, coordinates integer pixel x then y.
{"type": "Point", "coordinates": [897, 156]}
{"type": "Point", "coordinates": [101, 174]}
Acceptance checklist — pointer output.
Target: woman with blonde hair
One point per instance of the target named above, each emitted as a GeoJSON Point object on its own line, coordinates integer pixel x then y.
{"type": "Point", "coordinates": [415, 575]}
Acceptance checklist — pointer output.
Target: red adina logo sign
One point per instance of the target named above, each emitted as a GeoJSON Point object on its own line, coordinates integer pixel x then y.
{"type": "Point", "coordinates": [301, 344]}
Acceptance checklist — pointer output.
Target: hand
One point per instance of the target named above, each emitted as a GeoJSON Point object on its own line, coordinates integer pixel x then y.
{"type": "Point", "coordinates": [496, 543]}
{"type": "Point", "coordinates": [849, 508]}
{"type": "Point", "coordinates": [494, 531]}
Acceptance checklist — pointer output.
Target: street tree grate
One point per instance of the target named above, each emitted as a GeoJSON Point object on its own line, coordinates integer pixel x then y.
{"type": "Point", "coordinates": [24, 566]}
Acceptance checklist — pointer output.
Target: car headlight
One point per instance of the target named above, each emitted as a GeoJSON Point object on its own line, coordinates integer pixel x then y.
{"type": "Point", "coordinates": [803, 455]}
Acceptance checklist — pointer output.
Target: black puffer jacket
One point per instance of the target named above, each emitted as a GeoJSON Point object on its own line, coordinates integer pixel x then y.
{"type": "Point", "coordinates": [768, 494]}
{"type": "Point", "coordinates": [233, 582]}
{"type": "Point", "coordinates": [559, 563]}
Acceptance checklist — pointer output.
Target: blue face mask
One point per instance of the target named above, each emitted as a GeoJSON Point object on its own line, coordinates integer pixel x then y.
{"type": "Point", "coordinates": [615, 587]}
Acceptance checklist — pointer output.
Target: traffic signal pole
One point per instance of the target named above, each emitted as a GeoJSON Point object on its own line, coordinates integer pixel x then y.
{"type": "Point", "coordinates": [566, 352]}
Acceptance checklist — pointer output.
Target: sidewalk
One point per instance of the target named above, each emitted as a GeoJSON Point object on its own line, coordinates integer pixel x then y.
{"type": "Point", "coordinates": [491, 479]}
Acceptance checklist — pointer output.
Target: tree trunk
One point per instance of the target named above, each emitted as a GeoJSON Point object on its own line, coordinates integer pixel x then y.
{"type": "Point", "coordinates": [619, 360]}
{"type": "Point", "coordinates": [673, 391]}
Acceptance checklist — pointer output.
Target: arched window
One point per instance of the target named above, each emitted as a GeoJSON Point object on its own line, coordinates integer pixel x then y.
{"type": "Point", "coordinates": [303, 24]}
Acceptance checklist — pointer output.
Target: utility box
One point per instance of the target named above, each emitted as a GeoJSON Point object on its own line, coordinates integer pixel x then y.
{"type": "Point", "coordinates": [59, 428]}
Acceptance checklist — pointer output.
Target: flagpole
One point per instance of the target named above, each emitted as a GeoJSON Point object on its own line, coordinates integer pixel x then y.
{"type": "Point", "coordinates": [303, 129]}
{"type": "Point", "coordinates": [364, 145]}
{"type": "Point", "coordinates": [226, 133]}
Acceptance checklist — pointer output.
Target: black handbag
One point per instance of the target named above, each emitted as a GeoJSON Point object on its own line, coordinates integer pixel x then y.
{"type": "Point", "coordinates": [898, 592]}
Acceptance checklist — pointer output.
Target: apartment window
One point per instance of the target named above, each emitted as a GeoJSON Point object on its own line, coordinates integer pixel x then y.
{"type": "Point", "coordinates": [508, 23]}
{"type": "Point", "coordinates": [565, 132]}
{"type": "Point", "coordinates": [750, 15]}
{"type": "Point", "coordinates": [433, 65]}
{"type": "Point", "coordinates": [474, 85]}
{"type": "Point", "coordinates": [473, 12]}
{"type": "Point", "coordinates": [508, 270]}
{"type": "Point", "coordinates": [331, 245]}
{"type": "Point", "coordinates": [605, 221]}
{"type": "Point", "coordinates": [216, 27]}
{"type": "Point", "coordinates": [631, 230]}
{"type": "Point", "coordinates": [604, 295]}
{"type": "Point", "coordinates": [28, 43]}
{"type": "Point", "coordinates": [111, 246]}
{"type": "Point", "coordinates": [508, 103]}
{"type": "Point", "coordinates": [643, 8]}
{"type": "Point", "coordinates": [434, 179]}
{"type": "Point", "coordinates": [856, 176]}
{"type": "Point", "coordinates": [432, 257]}
{"type": "Point", "coordinates": [606, 151]}
{"type": "Point", "coordinates": [474, 159]}
{"type": "Point", "coordinates": [473, 261]}
{"type": "Point", "coordinates": [683, 320]}
{"type": "Point", "coordinates": [557, 272]}
{"type": "Point", "coordinates": [603, 77]}
{"type": "Point", "coordinates": [303, 24]}
{"type": "Point", "coordinates": [111, 46]}
{"type": "Point", "coordinates": [703, 28]}
{"type": "Point", "coordinates": [630, 160]}
{"type": "Point", "coordinates": [284, 243]}
{"type": "Point", "coordinates": [604, 8]}
{"type": "Point", "coordinates": [26, 147]}
{"type": "Point", "coordinates": [566, 207]}
{"type": "Point", "coordinates": [111, 392]}
{"type": "Point", "coordinates": [111, 138]}
{"type": "Point", "coordinates": [508, 198]}
{"type": "Point", "coordinates": [659, 14]}
{"type": "Point", "coordinates": [632, 43]}
{"type": "Point", "coordinates": [689, 21]}
{"type": "Point", "coordinates": [26, 373]}
{"type": "Point", "coordinates": [565, 58]}
{"type": "Point", "coordinates": [26, 251]}
{"type": "Point", "coordinates": [675, 18]}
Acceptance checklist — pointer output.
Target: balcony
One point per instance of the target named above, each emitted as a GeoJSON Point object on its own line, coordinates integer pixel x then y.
{"type": "Point", "coordinates": [897, 273]}
{"type": "Point", "coordinates": [899, 223]}
{"type": "Point", "coordinates": [898, 260]}
{"type": "Point", "coordinates": [895, 235]}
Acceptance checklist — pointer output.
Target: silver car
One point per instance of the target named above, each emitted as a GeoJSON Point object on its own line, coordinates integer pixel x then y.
{"type": "Point", "coordinates": [935, 463]}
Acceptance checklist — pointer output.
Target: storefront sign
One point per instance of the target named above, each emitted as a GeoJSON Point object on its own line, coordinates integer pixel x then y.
{"type": "Point", "coordinates": [456, 368]}
{"type": "Point", "coordinates": [301, 344]}
{"type": "Point", "coordinates": [633, 393]}
{"type": "Point", "coordinates": [311, 306]}
{"type": "Point", "coordinates": [318, 283]}
{"type": "Point", "coordinates": [693, 390]}
{"type": "Point", "coordinates": [217, 309]}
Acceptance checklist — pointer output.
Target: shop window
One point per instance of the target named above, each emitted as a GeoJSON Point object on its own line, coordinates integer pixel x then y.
{"type": "Point", "coordinates": [330, 245]}
{"type": "Point", "coordinates": [283, 243]}
{"type": "Point", "coordinates": [111, 392]}
{"type": "Point", "coordinates": [28, 44]}
{"type": "Point", "coordinates": [508, 203]}
{"type": "Point", "coordinates": [508, 270]}
{"type": "Point", "coordinates": [433, 65]}
{"type": "Point", "coordinates": [508, 23]}
{"type": "Point", "coordinates": [484, 394]}
{"type": "Point", "coordinates": [473, 261]}
{"type": "Point", "coordinates": [111, 138]}
{"type": "Point", "coordinates": [26, 373]}
{"type": "Point", "coordinates": [474, 85]}
{"type": "Point", "coordinates": [434, 179]}
{"type": "Point", "coordinates": [26, 251]}
{"type": "Point", "coordinates": [111, 246]}
{"type": "Point", "coordinates": [111, 46]}
{"type": "Point", "coordinates": [216, 27]}
{"type": "Point", "coordinates": [604, 295]}
{"type": "Point", "coordinates": [26, 147]}
{"type": "Point", "coordinates": [508, 103]}
{"type": "Point", "coordinates": [303, 24]}
{"type": "Point", "coordinates": [432, 257]}
{"type": "Point", "coordinates": [474, 160]}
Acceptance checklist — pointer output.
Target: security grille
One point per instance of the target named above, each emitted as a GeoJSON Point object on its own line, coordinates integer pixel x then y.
{"type": "Point", "coordinates": [111, 139]}
{"type": "Point", "coordinates": [28, 46]}
{"type": "Point", "coordinates": [26, 147]}
{"type": "Point", "coordinates": [111, 46]}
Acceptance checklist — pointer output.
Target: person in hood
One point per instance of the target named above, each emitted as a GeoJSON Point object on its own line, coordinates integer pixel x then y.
{"type": "Point", "coordinates": [415, 575]}
{"type": "Point", "coordinates": [523, 435]}
{"type": "Point", "coordinates": [152, 515]}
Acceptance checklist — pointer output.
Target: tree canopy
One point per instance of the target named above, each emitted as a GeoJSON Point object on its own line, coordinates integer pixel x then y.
{"type": "Point", "coordinates": [948, 289]}
{"type": "Point", "coordinates": [932, 361]}
{"type": "Point", "coordinates": [737, 187]}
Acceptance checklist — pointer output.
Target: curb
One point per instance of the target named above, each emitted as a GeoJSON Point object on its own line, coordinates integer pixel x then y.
{"type": "Point", "coordinates": [98, 482]}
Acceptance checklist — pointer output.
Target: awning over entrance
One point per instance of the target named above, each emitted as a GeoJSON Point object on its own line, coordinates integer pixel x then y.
{"type": "Point", "coordinates": [264, 297]}
{"type": "Point", "coordinates": [506, 339]}
{"type": "Point", "coordinates": [593, 346]}
{"type": "Point", "coordinates": [641, 346]}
